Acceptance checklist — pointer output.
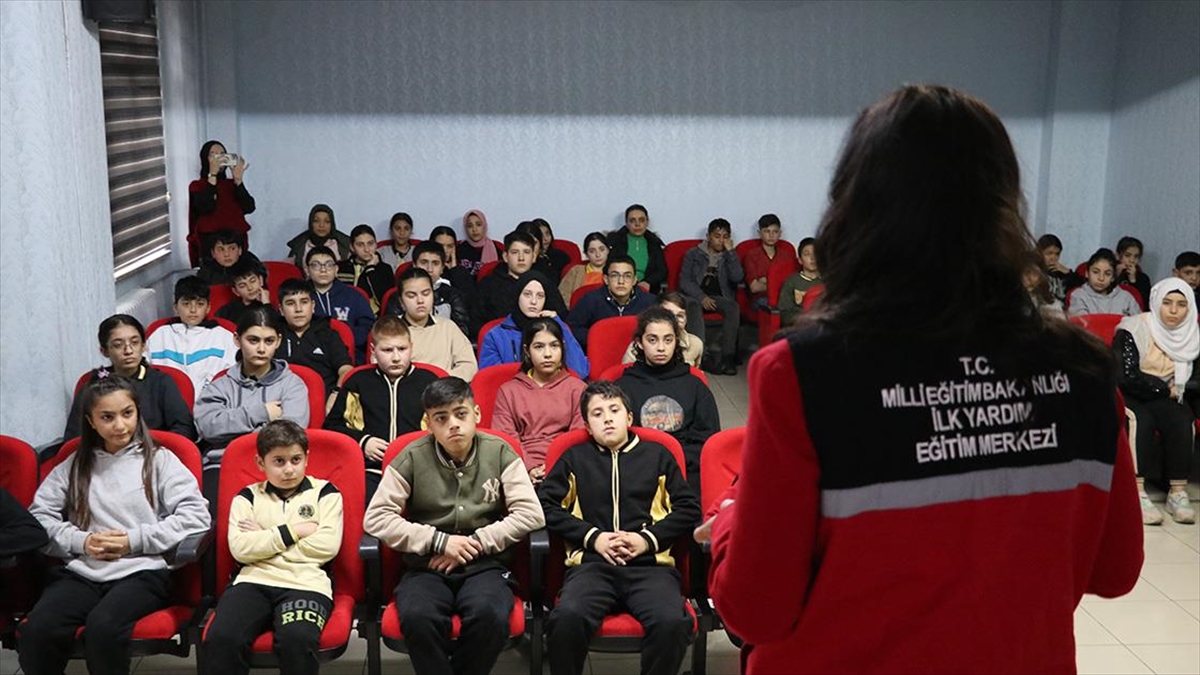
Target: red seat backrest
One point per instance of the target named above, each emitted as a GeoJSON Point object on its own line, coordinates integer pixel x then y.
{"type": "Point", "coordinates": [344, 332]}
{"type": "Point", "coordinates": [578, 294]}
{"type": "Point", "coordinates": [777, 274]}
{"type": "Point", "coordinates": [400, 269]}
{"type": "Point", "coordinates": [483, 330]}
{"type": "Point", "coordinates": [316, 394]}
{"type": "Point", "coordinates": [674, 253]}
{"type": "Point", "coordinates": [331, 456]}
{"type": "Point", "coordinates": [720, 463]}
{"type": "Point", "coordinates": [486, 269]}
{"type": "Point", "coordinates": [486, 383]}
{"type": "Point", "coordinates": [1103, 326]}
{"type": "Point", "coordinates": [219, 295]}
{"type": "Point", "coordinates": [279, 271]}
{"type": "Point", "coordinates": [18, 469]}
{"type": "Point", "coordinates": [607, 341]}
{"type": "Point", "coordinates": [574, 253]}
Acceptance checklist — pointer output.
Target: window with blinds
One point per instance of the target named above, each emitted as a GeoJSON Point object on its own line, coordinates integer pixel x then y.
{"type": "Point", "coordinates": [133, 127]}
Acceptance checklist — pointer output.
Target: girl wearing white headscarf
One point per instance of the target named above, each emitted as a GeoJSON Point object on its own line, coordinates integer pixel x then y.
{"type": "Point", "coordinates": [1157, 351]}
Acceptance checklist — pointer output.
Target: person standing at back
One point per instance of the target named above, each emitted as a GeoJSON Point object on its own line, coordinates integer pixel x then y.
{"type": "Point", "coordinates": [933, 479]}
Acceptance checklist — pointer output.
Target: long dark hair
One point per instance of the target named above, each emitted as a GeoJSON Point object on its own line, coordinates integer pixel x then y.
{"type": "Point", "coordinates": [79, 481]}
{"type": "Point", "coordinates": [531, 329]}
{"type": "Point", "coordinates": [204, 160]}
{"type": "Point", "coordinates": [656, 314]}
{"type": "Point", "coordinates": [927, 176]}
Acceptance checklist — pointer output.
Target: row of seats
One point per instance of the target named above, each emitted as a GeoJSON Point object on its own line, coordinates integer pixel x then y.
{"type": "Point", "coordinates": [364, 574]}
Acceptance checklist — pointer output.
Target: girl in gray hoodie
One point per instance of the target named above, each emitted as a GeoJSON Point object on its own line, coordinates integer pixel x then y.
{"type": "Point", "coordinates": [256, 390]}
{"type": "Point", "coordinates": [113, 510]}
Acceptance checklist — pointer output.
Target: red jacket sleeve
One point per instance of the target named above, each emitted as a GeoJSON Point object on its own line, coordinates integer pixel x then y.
{"type": "Point", "coordinates": [1119, 559]}
{"type": "Point", "coordinates": [776, 514]}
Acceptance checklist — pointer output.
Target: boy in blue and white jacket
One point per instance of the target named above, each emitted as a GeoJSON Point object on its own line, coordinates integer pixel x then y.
{"type": "Point", "coordinates": [198, 346]}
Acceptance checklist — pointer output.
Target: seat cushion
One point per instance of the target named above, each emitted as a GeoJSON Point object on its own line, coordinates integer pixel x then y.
{"type": "Point", "coordinates": [163, 624]}
{"type": "Point", "coordinates": [625, 626]}
{"type": "Point", "coordinates": [391, 621]}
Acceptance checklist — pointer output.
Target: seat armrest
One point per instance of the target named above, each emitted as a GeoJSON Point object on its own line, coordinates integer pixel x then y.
{"type": "Point", "coordinates": [368, 547]}
{"type": "Point", "coordinates": [192, 548]}
{"type": "Point", "coordinates": [369, 551]}
{"type": "Point", "coordinates": [539, 549]}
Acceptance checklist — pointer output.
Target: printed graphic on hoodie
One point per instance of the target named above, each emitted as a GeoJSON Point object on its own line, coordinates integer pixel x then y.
{"type": "Point", "coordinates": [663, 413]}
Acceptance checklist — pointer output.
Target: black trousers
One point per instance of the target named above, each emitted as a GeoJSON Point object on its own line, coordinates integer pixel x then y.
{"type": "Point", "coordinates": [108, 610]}
{"type": "Point", "coordinates": [1175, 424]}
{"type": "Point", "coordinates": [425, 602]}
{"type": "Point", "coordinates": [248, 610]}
{"type": "Point", "coordinates": [593, 590]}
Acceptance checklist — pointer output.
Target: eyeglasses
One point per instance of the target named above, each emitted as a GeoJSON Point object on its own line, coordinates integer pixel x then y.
{"type": "Point", "coordinates": [322, 265]}
{"type": "Point", "coordinates": [121, 345]}
{"type": "Point", "coordinates": [621, 276]}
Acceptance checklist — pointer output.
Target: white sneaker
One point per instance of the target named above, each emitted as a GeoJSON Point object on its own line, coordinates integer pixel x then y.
{"type": "Point", "coordinates": [1180, 507]}
{"type": "Point", "coordinates": [1150, 513]}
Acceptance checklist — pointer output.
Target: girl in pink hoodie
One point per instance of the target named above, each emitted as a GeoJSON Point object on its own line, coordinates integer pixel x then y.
{"type": "Point", "coordinates": [542, 399]}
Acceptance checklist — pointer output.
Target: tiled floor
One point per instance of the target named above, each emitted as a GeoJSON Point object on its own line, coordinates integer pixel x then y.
{"type": "Point", "coordinates": [1154, 629]}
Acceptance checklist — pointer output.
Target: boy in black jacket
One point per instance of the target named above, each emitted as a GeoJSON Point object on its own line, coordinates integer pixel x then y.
{"type": "Point", "coordinates": [375, 407]}
{"type": "Point", "coordinates": [310, 341]}
{"type": "Point", "coordinates": [619, 503]}
{"type": "Point", "coordinates": [364, 268]}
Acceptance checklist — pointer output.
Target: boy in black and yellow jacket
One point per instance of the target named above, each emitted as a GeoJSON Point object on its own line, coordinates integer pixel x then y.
{"type": "Point", "coordinates": [375, 407]}
{"type": "Point", "coordinates": [619, 503]}
{"type": "Point", "coordinates": [282, 531]}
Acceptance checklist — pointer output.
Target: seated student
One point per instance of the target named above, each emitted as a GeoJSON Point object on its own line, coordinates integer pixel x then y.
{"type": "Point", "coordinates": [249, 290]}
{"type": "Point", "coordinates": [1187, 267]}
{"type": "Point", "coordinates": [199, 347]}
{"type": "Point", "coordinates": [113, 511]}
{"type": "Point", "coordinates": [364, 268]}
{"type": "Point", "coordinates": [282, 531]}
{"type": "Point", "coordinates": [1157, 351]}
{"type": "Point", "coordinates": [541, 262]}
{"type": "Point", "coordinates": [619, 511]}
{"type": "Point", "coordinates": [557, 259]}
{"type": "Point", "coordinates": [1129, 271]}
{"type": "Point", "coordinates": [309, 340]}
{"type": "Point", "coordinates": [759, 259]}
{"type": "Point", "coordinates": [541, 400]}
{"type": "Point", "coordinates": [619, 296]}
{"type": "Point", "coordinates": [476, 249]}
{"type": "Point", "coordinates": [448, 301]}
{"type": "Point", "coordinates": [1061, 278]}
{"type": "Point", "coordinates": [691, 346]}
{"type": "Point", "coordinates": [642, 246]}
{"type": "Point", "coordinates": [257, 390]}
{"type": "Point", "coordinates": [495, 294]}
{"type": "Point", "coordinates": [322, 231]}
{"type": "Point", "coordinates": [591, 272]}
{"type": "Point", "coordinates": [22, 533]}
{"type": "Point", "coordinates": [454, 503]}
{"type": "Point", "coordinates": [535, 298]}
{"type": "Point", "coordinates": [710, 275]}
{"type": "Point", "coordinates": [439, 342]}
{"type": "Point", "coordinates": [337, 300]}
{"type": "Point", "coordinates": [375, 407]}
{"type": "Point", "coordinates": [226, 252]}
{"type": "Point", "coordinates": [665, 394]}
{"type": "Point", "coordinates": [791, 294]}
{"type": "Point", "coordinates": [1038, 287]}
{"type": "Point", "coordinates": [122, 342]}
{"type": "Point", "coordinates": [1101, 294]}
{"type": "Point", "coordinates": [400, 250]}
{"type": "Point", "coordinates": [452, 272]}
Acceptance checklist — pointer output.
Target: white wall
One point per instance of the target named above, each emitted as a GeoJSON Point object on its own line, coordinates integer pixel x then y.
{"type": "Point", "coordinates": [1153, 185]}
{"type": "Point", "coordinates": [56, 283]}
{"type": "Point", "coordinates": [571, 111]}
